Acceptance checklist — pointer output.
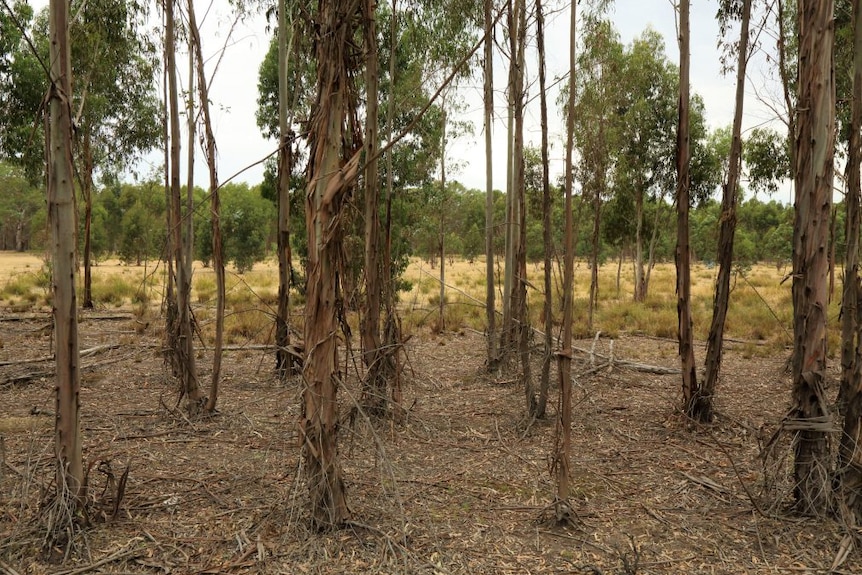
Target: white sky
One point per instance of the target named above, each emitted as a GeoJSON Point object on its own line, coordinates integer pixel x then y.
{"type": "Point", "coordinates": [234, 90]}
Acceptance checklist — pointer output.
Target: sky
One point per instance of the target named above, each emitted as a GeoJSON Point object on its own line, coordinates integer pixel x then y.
{"type": "Point", "coordinates": [233, 89]}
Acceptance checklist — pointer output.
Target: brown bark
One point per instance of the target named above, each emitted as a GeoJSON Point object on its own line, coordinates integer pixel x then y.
{"type": "Point", "coordinates": [215, 210]}
{"type": "Point", "coordinates": [564, 356]}
{"type": "Point", "coordinates": [814, 155]}
{"type": "Point", "coordinates": [374, 386]}
{"type": "Point", "coordinates": [849, 454]}
{"type": "Point", "coordinates": [541, 401]}
{"type": "Point", "coordinates": [284, 364]}
{"type": "Point", "coordinates": [330, 180]}
{"type": "Point", "coordinates": [182, 335]}
{"type": "Point", "coordinates": [683, 249]}
{"type": "Point", "coordinates": [702, 406]}
{"type": "Point", "coordinates": [490, 292]}
{"type": "Point", "coordinates": [61, 217]}
{"type": "Point", "coordinates": [87, 192]}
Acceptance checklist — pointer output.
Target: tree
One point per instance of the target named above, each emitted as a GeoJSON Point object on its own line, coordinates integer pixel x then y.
{"type": "Point", "coordinates": [645, 166]}
{"type": "Point", "coordinates": [683, 250]}
{"type": "Point", "coordinates": [69, 497]}
{"type": "Point", "coordinates": [597, 126]}
{"type": "Point", "coordinates": [215, 206]}
{"type": "Point", "coordinates": [814, 149]}
{"type": "Point", "coordinates": [701, 406]}
{"type": "Point", "coordinates": [562, 445]}
{"type": "Point", "coordinates": [286, 33]}
{"type": "Point", "coordinates": [547, 242]}
{"type": "Point", "coordinates": [179, 325]}
{"type": "Point", "coordinates": [488, 98]}
{"type": "Point", "coordinates": [849, 454]}
{"type": "Point", "coordinates": [333, 167]}
{"type": "Point", "coordinates": [116, 108]}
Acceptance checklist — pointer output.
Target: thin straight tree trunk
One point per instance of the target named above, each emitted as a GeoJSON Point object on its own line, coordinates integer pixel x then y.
{"type": "Point", "coordinates": [594, 253]}
{"type": "Point", "coordinates": [191, 123]}
{"type": "Point", "coordinates": [374, 387]}
{"type": "Point", "coordinates": [850, 454]}
{"type": "Point", "coordinates": [170, 298]}
{"type": "Point", "coordinates": [640, 280]}
{"type": "Point", "coordinates": [814, 156]}
{"type": "Point", "coordinates": [564, 356]}
{"type": "Point", "coordinates": [283, 361]}
{"type": "Point", "coordinates": [215, 210]}
{"type": "Point", "coordinates": [507, 327]}
{"type": "Point", "coordinates": [330, 180]}
{"type": "Point", "coordinates": [683, 250]}
{"type": "Point", "coordinates": [441, 322]}
{"type": "Point", "coordinates": [548, 311]}
{"type": "Point", "coordinates": [702, 405]}
{"type": "Point", "coordinates": [183, 336]}
{"type": "Point", "coordinates": [519, 289]}
{"type": "Point", "coordinates": [87, 192]}
{"type": "Point", "coordinates": [392, 333]}
{"type": "Point", "coordinates": [61, 219]}
{"type": "Point", "coordinates": [490, 292]}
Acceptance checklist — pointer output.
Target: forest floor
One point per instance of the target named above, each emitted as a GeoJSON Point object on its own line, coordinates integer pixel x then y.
{"type": "Point", "coordinates": [461, 485]}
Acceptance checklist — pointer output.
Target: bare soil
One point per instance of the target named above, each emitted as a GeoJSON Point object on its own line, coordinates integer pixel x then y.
{"type": "Point", "coordinates": [462, 485]}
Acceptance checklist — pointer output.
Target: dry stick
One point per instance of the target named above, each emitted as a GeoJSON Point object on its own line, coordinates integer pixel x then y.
{"type": "Point", "coordinates": [738, 475]}
{"type": "Point", "coordinates": [109, 559]}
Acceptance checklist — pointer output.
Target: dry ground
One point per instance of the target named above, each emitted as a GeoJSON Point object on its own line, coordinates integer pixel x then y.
{"type": "Point", "coordinates": [459, 487]}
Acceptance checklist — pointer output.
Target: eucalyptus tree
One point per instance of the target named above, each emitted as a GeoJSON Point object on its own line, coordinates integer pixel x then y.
{"type": "Point", "coordinates": [541, 400]}
{"type": "Point", "coordinates": [115, 105]}
{"type": "Point", "coordinates": [597, 124]}
{"type": "Point", "coordinates": [333, 167]}
{"type": "Point", "coordinates": [215, 203]}
{"type": "Point", "coordinates": [850, 454]}
{"type": "Point", "coordinates": [645, 164]}
{"type": "Point", "coordinates": [813, 167]}
{"type": "Point", "coordinates": [683, 250]}
{"type": "Point", "coordinates": [23, 71]}
{"type": "Point", "coordinates": [488, 100]}
{"type": "Point", "coordinates": [179, 331]}
{"type": "Point", "coordinates": [561, 466]}
{"type": "Point", "coordinates": [701, 407]}
{"type": "Point", "coordinates": [70, 484]}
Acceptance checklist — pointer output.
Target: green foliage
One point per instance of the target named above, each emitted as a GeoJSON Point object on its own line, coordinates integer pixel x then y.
{"type": "Point", "coordinates": [19, 203]}
{"type": "Point", "coordinates": [247, 226]}
{"type": "Point", "coordinates": [767, 157]}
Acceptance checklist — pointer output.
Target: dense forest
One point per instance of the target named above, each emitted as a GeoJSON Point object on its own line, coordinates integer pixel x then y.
{"type": "Point", "coordinates": [362, 102]}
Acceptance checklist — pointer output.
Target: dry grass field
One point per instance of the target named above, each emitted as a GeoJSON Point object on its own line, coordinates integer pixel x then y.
{"type": "Point", "coordinates": [460, 486]}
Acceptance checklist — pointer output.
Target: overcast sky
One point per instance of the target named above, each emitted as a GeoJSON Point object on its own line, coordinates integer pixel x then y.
{"type": "Point", "coordinates": [233, 90]}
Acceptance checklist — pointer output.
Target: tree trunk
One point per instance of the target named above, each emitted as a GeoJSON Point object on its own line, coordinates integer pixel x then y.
{"type": "Point", "coordinates": [330, 180]}
{"type": "Point", "coordinates": [508, 340]}
{"type": "Point", "coordinates": [374, 386]}
{"type": "Point", "coordinates": [702, 406]}
{"type": "Point", "coordinates": [640, 280]}
{"type": "Point", "coordinates": [849, 454]}
{"type": "Point", "coordinates": [683, 250]}
{"type": "Point", "coordinates": [541, 401]}
{"type": "Point", "coordinates": [814, 155]}
{"type": "Point", "coordinates": [191, 122]}
{"type": "Point", "coordinates": [61, 218]}
{"type": "Point", "coordinates": [564, 356]}
{"type": "Point", "coordinates": [441, 322]}
{"type": "Point", "coordinates": [183, 336]}
{"type": "Point", "coordinates": [283, 359]}
{"type": "Point", "coordinates": [490, 292]}
{"type": "Point", "coordinates": [594, 250]}
{"type": "Point", "coordinates": [215, 210]}
{"type": "Point", "coordinates": [87, 192]}
{"type": "Point", "coordinates": [392, 324]}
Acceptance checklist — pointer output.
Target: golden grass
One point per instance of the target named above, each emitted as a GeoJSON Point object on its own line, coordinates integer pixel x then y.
{"type": "Point", "coordinates": [760, 307]}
